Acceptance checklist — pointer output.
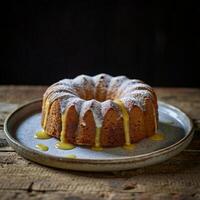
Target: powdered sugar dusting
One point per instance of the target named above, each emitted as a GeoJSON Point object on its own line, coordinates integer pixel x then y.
{"type": "Point", "coordinates": [130, 102]}
{"type": "Point", "coordinates": [59, 95]}
{"type": "Point", "coordinates": [114, 85]}
{"type": "Point", "coordinates": [95, 107]}
{"type": "Point", "coordinates": [106, 105]}
{"type": "Point", "coordinates": [67, 102]}
{"type": "Point", "coordinates": [103, 79]}
{"type": "Point", "coordinates": [77, 102]}
{"type": "Point", "coordinates": [83, 84]}
{"type": "Point", "coordinates": [137, 86]}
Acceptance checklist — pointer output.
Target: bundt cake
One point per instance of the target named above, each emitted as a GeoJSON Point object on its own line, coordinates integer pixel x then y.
{"type": "Point", "coordinates": [100, 111]}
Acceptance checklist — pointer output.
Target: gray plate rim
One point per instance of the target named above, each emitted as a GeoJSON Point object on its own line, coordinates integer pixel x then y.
{"type": "Point", "coordinates": [126, 159]}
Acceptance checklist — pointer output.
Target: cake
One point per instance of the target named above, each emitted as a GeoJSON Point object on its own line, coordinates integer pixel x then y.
{"type": "Point", "coordinates": [100, 111]}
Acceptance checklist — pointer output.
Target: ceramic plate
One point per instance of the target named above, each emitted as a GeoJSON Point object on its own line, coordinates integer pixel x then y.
{"type": "Point", "coordinates": [23, 123]}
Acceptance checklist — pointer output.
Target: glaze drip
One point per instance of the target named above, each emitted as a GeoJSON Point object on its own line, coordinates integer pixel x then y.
{"type": "Point", "coordinates": [97, 146]}
{"type": "Point", "coordinates": [71, 156]}
{"type": "Point", "coordinates": [125, 116]}
{"type": "Point", "coordinates": [41, 135]}
{"type": "Point", "coordinates": [63, 144]}
{"type": "Point", "coordinates": [158, 137]}
{"type": "Point", "coordinates": [47, 108]}
{"type": "Point", "coordinates": [42, 147]}
{"type": "Point", "coordinates": [95, 107]}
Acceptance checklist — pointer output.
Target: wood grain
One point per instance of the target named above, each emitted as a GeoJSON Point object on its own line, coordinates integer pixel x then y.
{"type": "Point", "coordinates": [178, 178]}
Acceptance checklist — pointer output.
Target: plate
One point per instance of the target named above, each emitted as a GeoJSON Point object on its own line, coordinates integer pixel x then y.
{"type": "Point", "coordinates": [21, 126]}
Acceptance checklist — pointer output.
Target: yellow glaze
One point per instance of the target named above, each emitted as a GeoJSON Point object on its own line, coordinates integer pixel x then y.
{"type": "Point", "coordinates": [71, 156]}
{"type": "Point", "coordinates": [47, 108]}
{"type": "Point", "coordinates": [64, 146]}
{"type": "Point", "coordinates": [97, 146]}
{"type": "Point", "coordinates": [129, 147]}
{"type": "Point", "coordinates": [42, 147]}
{"type": "Point", "coordinates": [42, 135]}
{"type": "Point", "coordinates": [158, 137]}
{"type": "Point", "coordinates": [62, 134]}
{"type": "Point", "coordinates": [155, 119]}
{"type": "Point", "coordinates": [125, 116]}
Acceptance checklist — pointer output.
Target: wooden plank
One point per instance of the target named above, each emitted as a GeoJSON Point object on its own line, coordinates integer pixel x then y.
{"type": "Point", "coordinates": [3, 143]}
{"type": "Point", "coordinates": [20, 94]}
{"type": "Point", "coordinates": [5, 109]}
{"type": "Point", "coordinates": [18, 195]}
{"type": "Point", "coordinates": [187, 99]}
{"type": "Point", "coordinates": [181, 173]}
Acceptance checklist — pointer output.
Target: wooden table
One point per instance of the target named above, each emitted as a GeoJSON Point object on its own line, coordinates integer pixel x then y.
{"type": "Point", "coordinates": [178, 178]}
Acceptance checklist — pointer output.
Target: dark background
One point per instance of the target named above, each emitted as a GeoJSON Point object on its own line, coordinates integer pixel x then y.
{"type": "Point", "coordinates": [44, 41]}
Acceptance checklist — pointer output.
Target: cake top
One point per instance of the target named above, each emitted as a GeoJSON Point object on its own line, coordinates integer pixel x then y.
{"type": "Point", "coordinates": [99, 91]}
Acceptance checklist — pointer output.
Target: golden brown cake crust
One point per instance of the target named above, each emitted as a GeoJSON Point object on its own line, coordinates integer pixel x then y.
{"type": "Point", "coordinates": [88, 103]}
